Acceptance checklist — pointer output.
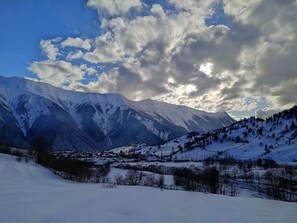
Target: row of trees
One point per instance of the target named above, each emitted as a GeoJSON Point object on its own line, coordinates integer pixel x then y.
{"type": "Point", "coordinates": [221, 176]}
{"type": "Point", "coordinates": [135, 177]}
{"type": "Point", "coordinates": [207, 180]}
{"type": "Point", "coordinates": [278, 184]}
{"type": "Point", "coordinates": [225, 176]}
{"type": "Point", "coordinates": [68, 168]}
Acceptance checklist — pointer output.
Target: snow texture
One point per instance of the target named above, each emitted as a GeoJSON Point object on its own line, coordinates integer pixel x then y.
{"type": "Point", "coordinates": [251, 139]}
{"type": "Point", "coordinates": [102, 120]}
{"type": "Point", "coordinates": [30, 193]}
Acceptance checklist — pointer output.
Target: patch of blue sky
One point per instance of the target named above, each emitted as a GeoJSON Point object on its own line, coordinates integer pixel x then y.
{"type": "Point", "coordinates": [24, 23]}
{"type": "Point", "coordinates": [218, 17]}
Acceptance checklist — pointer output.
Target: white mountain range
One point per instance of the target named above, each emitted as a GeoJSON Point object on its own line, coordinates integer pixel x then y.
{"type": "Point", "coordinates": [92, 121]}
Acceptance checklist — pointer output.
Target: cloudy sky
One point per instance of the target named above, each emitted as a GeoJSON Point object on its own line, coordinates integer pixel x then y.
{"type": "Point", "coordinates": [214, 55]}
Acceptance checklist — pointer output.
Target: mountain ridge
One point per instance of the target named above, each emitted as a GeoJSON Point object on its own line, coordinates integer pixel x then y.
{"type": "Point", "coordinates": [92, 121]}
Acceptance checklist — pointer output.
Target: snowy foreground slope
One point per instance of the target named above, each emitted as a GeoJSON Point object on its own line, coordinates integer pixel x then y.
{"type": "Point", "coordinates": [30, 193]}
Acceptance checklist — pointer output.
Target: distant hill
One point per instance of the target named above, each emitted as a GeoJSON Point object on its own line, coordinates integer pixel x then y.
{"type": "Point", "coordinates": [253, 138]}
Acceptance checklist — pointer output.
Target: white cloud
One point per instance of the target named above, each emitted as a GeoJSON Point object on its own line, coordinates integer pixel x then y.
{"type": "Point", "coordinates": [114, 7]}
{"type": "Point", "coordinates": [77, 42]}
{"type": "Point", "coordinates": [240, 10]}
{"type": "Point", "coordinates": [49, 49]}
{"type": "Point", "coordinates": [201, 7]}
{"type": "Point", "coordinates": [174, 56]}
{"type": "Point", "coordinates": [59, 73]}
{"type": "Point", "coordinates": [206, 68]}
{"type": "Point", "coordinates": [75, 55]}
{"type": "Point", "coordinates": [106, 51]}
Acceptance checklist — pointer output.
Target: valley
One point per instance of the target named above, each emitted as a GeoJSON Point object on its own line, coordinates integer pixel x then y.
{"type": "Point", "coordinates": [148, 111]}
{"type": "Point", "coordinates": [248, 166]}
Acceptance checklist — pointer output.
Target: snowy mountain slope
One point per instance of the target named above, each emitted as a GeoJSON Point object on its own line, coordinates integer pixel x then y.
{"type": "Point", "coordinates": [10, 132]}
{"type": "Point", "coordinates": [88, 121]}
{"type": "Point", "coordinates": [188, 118]}
{"type": "Point", "coordinates": [31, 193]}
{"type": "Point", "coordinates": [274, 138]}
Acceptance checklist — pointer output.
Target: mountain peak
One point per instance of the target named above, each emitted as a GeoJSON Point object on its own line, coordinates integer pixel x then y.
{"type": "Point", "coordinates": [84, 121]}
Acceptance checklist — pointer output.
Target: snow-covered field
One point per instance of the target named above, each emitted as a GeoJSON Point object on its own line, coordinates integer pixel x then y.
{"type": "Point", "coordinates": [30, 193]}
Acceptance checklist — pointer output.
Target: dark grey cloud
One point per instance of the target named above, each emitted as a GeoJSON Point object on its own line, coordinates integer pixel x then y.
{"type": "Point", "coordinates": [234, 91]}
{"type": "Point", "coordinates": [277, 65]}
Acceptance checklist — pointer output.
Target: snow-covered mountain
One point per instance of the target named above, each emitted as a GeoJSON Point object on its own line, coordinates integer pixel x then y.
{"type": "Point", "coordinates": [92, 121]}
{"type": "Point", "coordinates": [249, 139]}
